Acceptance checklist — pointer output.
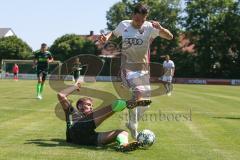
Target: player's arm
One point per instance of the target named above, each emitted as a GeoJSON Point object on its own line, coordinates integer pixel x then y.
{"type": "Point", "coordinates": [34, 61]}
{"type": "Point", "coordinates": [17, 69]}
{"type": "Point", "coordinates": [50, 58]}
{"type": "Point", "coordinates": [62, 95]}
{"type": "Point", "coordinates": [173, 71]}
{"type": "Point", "coordinates": [104, 38]}
{"type": "Point", "coordinates": [163, 32]}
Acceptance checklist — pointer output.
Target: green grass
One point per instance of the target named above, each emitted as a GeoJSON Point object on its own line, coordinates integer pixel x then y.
{"type": "Point", "coordinates": [30, 129]}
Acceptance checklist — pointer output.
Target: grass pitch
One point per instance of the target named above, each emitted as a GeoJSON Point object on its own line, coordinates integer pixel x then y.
{"type": "Point", "coordinates": [198, 122]}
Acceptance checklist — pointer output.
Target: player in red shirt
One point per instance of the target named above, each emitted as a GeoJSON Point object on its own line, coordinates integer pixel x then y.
{"type": "Point", "coordinates": [15, 72]}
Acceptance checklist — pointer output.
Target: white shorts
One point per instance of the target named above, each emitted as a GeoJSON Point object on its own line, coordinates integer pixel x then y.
{"type": "Point", "coordinates": [167, 79]}
{"type": "Point", "coordinates": [138, 82]}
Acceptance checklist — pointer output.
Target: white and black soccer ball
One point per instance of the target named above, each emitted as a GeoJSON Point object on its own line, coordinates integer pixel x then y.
{"type": "Point", "coordinates": [146, 138]}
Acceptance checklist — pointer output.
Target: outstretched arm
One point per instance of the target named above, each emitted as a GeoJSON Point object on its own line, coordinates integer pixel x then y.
{"type": "Point", "coordinates": [163, 32]}
{"type": "Point", "coordinates": [34, 63]}
{"type": "Point", "coordinates": [62, 95]}
{"type": "Point", "coordinates": [50, 60]}
{"type": "Point", "coordinates": [104, 38]}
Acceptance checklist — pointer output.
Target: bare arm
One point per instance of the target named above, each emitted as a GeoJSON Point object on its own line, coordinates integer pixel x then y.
{"type": "Point", "coordinates": [62, 95]}
{"type": "Point", "coordinates": [50, 60]}
{"type": "Point", "coordinates": [173, 71]}
{"type": "Point", "coordinates": [34, 63]}
{"type": "Point", "coordinates": [163, 32]}
{"type": "Point", "coordinates": [104, 38]}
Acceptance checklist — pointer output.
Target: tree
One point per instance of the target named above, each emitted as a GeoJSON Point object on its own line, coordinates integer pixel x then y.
{"type": "Point", "coordinates": [13, 47]}
{"type": "Point", "coordinates": [70, 45]}
{"type": "Point", "coordinates": [213, 26]}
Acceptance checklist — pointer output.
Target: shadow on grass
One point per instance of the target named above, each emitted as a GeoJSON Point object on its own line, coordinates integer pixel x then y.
{"type": "Point", "coordinates": [20, 98]}
{"type": "Point", "coordinates": [231, 118]}
{"type": "Point", "coordinates": [55, 142]}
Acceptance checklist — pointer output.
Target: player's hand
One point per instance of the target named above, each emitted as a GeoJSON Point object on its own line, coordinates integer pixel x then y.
{"type": "Point", "coordinates": [156, 25]}
{"type": "Point", "coordinates": [50, 60]}
{"type": "Point", "coordinates": [33, 66]}
{"type": "Point", "coordinates": [102, 38]}
{"type": "Point", "coordinates": [78, 85]}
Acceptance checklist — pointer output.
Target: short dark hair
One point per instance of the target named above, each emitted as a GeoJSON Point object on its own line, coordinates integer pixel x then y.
{"type": "Point", "coordinates": [141, 9]}
{"type": "Point", "coordinates": [43, 45]}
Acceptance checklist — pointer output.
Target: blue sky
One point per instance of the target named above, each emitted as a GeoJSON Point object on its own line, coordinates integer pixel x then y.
{"type": "Point", "coordinates": [36, 21]}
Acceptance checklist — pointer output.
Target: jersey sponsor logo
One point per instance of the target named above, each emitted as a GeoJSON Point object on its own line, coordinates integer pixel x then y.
{"type": "Point", "coordinates": [133, 41]}
{"type": "Point", "coordinates": [42, 59]}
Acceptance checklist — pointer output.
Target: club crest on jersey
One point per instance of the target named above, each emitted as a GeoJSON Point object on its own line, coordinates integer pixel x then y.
{"type": "Point", "coordinates": [125, 30]}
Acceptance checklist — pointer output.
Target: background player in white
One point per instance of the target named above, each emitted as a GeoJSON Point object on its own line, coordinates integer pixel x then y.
{"type": "Point", "coordinates": [169, 69]}
{"type": "Point", "coordinates": [137, 35]}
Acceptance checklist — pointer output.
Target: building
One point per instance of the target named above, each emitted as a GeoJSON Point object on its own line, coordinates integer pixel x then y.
{"type": "Point", "coordinates": [5, 32]}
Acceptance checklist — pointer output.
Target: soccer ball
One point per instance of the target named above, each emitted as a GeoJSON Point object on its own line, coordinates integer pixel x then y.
{"type": "Point", "coordinates": [146, 138]}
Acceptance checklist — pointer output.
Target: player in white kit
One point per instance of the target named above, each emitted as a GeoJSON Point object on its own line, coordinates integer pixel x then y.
{"type": "Point", "coordinates": [137, 35]}
{"type": "Point", "coordinates": [169, 68]}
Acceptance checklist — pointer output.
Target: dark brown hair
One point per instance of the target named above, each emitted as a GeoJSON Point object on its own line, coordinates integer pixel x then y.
{"type": "Point", "coordinates": [141, 9]}
{"type": "Point", "coordinates": [43, 45]}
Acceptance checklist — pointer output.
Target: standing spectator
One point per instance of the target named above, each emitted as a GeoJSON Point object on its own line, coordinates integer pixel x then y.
{"type": "Point", "coordinates": [169, 69]}
{"type": "Point", "coordinates": [15, 72]}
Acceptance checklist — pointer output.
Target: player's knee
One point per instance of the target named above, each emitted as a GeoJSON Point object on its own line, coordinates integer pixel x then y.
{"type": "Point", "coordinates": [121, 131]}
{"type": "Point", "coordinates": [40, 80]}
{"type": "Point", "coordinates": [124, 132]}
{"type": "Point", "coordinates": [122, 138]}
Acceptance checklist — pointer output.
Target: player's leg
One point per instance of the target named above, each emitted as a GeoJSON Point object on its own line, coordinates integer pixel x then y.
{"type": "Point", "coordinates": [44, 75]}
{"type": "Point", "coordinates": [14, 76]}
{"type": "Point", "coordinates": [169, 85]}
{"type": "Point", "coordinates": [103, 113]}
{"type": "Point", "coordinates": [141, 91]}
{"type": "Point", "coordinates": [165, 83]}
{"type": "Point", "coordinates": [132, 113]}
{"type": "Point", "coordinates": [166, 87]}
{"type": "Point", "coordinates": [76, 75]}
{"type": "Point", "coordinates": [132, 123]}
{"type": "Point", "coordinates": [119, 136]}
{"type": "Point", "coordinates": [169, 93]}
{"type": "Point", "coordinates": [39, 76]}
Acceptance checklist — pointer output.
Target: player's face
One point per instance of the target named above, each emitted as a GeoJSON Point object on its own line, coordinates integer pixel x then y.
{"type": "Point", "coordinates": [139, 19]}
{"type": "Point", "coordinates": [167, 58]}
{"type": "Point", "coordinates": [85, 107]}
{"type": "Point", "coordinates": [44, 49]}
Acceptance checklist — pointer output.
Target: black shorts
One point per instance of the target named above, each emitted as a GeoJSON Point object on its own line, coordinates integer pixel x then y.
{"type": "Point", "coordinates": [76, 75]}
{"type": "Point", "coordinates": [42, 72]}
{"type": "Point", "coordinates": [83, 132]}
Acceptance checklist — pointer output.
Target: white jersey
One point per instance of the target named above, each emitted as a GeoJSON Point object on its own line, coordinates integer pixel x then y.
{"type": "Point", "coordinates": [135, 46]}
{"type": "Point", "coordinates": [168, 67]}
